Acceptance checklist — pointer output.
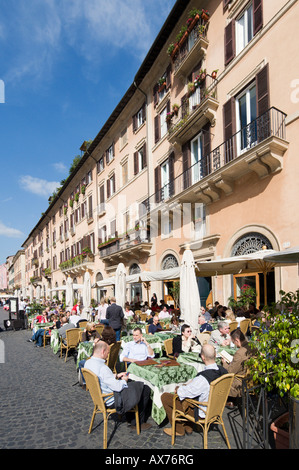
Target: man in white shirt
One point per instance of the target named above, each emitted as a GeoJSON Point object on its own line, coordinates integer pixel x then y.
{"type": "Point", "coordinates": [74, 319]}
{"type": "Point", "coordinates": [136, 350]}
{"type": "Point", "coordinates": [198, 388]}
{"type": "Point", "coordinates": [221, 336]}
{"type": "Point", "coordinates": [114, 383]}
{"type": "Point", "coordinates": [164, 313]}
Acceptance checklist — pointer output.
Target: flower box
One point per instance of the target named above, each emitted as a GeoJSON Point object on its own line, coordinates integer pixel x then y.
{"type": "Point", "coordinates": [281, 436]}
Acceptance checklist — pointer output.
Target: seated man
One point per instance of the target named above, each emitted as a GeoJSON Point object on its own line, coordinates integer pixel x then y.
{"type": "Point", "coordinates": [198, 388]}
{"type": "Point", "coordinates": [220, 337]}
{"type": "Point", "coordinates": [203, 324]}
{"type": "Point", "coordinates": [164, 313]}
{"type": "Point", "coordinates": [136, 350]}
{"type": "Point", "coordinates": [65, 325]}
{"type": "Point", "coordinates": [74, 318]}
{"type": "Point", "coordinates": [117, 383]}
{"type": "Point", "coordinates": [155, 326]}
{"type": "Point", "coordinates": [238, 364]}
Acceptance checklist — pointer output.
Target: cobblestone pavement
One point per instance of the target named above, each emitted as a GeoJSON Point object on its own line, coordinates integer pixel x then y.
{"type": "Point", "coordinates": [43, 406]}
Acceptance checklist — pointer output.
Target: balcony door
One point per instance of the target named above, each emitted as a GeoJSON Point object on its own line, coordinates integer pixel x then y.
{"type": "Point", "coordinates": [196, 156]}
{"type": "Point", "coordinates": [246, 114]}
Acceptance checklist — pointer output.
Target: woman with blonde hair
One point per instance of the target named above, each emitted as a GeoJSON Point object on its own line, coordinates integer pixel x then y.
{"type": "Point", "coordinates": [229, 316]}
{"type": "Point", "coordinates": [90, 333]}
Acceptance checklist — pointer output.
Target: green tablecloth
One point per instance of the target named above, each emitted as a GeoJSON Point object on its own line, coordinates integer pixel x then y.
{"type": "Point", "coordinates": [39, 326]}
{"type": "Point", "coordinates": [55, 341]}
{"type": "Point", "coordinates": [161, 380]}
{"type": "Point", "coordinates": [85, 350]}
{"type": "Point", "coordinates": [156, 341]}
{"type": "Point", "coordinates": [194, 358]}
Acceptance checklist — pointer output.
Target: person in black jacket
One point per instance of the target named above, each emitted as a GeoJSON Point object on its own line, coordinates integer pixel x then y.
{"type": "Point", "coordinates": [185, 342]}
{"type": "Point", "coordinates": [115, 315]}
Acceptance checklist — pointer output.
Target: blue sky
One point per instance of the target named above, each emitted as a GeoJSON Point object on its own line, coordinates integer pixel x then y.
{"type": "Point", "coordinates": [65, 65]}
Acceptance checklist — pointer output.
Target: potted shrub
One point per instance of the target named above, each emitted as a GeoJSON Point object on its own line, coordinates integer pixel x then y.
{"type": "Point", "coordinates": [169, 118]}
{"type": "Point", "coordinates": [175, 108]}
{"type": "Point", "coordinates": [76, 197]}
{"type": "Point", "coordinates": [83, 188]}
{"type": "Point", "coordinates": [277, 364]}
{"type": "Point", "coordinates": [214, 74]}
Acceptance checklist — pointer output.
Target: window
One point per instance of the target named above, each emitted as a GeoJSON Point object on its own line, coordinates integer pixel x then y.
{"type": "Point", "coordinates": [110, 154]}
{"type": "Point", "coordinates": [100, 165]}
{"type": "Point", "coordinates": [102, 198]}
{"type": "Point", "coordinates": [139, 118]}
{"type": "Point", "coordinates": [240, 30]}
{"type": "Point", "coordinates": [140, 159]}
{"type": "Point", "coordinates": [123, 138]}
{"type": "Point", "coordinates": [246, 113]}
{"type": "Point", "coordinates": [163, 123]}
{"type": "Point", "coordinates": [244, 29]}
{"type": "Point", "coordinates": [111, 186]}
{"type": "Point", "coordinates": [196, 155]}
{"type": "Point", "coordinates": [125, 176]}
{"type": "Point", "coordinates": [89, 177]}
{"type": "Point", "coordinates": [165, 179]}
{"type": "Point", "coordinates": [199, 221]}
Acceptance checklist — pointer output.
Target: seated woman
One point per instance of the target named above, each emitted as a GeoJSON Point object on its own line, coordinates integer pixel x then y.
{"type": "Point", "coordinates": [128, 312]}
{"type": "Point", "coordinates": [90, 333]}
{"type": "Point", "coordinates": [229, 316]}
{"type": "Point", "coordinates": [185, 342]}
{"type": "Point", "coordinates": [175, 325]}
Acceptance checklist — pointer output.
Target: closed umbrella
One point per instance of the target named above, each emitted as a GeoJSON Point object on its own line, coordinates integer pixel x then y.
{"type": "Point", "coordinates": [86, 291]}
{"type": "Point", "coordinates": [189, 293]}
{"type": "Point", "coordinates": [69, 293]}
{"type": "Point", "coordinates": [120, 285]}
{"type": "Point", "coordinates": [31, 292]}
{"type": "Point", "coordinates": [38, 293]}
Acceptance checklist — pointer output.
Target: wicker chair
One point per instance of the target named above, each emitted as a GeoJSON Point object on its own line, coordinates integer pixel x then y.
{"type": "Point", "coordinates": [72, 340]}
{"type": "Point", "coordinates": [233, 325]}
{"type": "Point", "coordinates": [169, 348]}
{"type": "Point", "coordinates": [47, 336]}
{"type": "Point", "coordinates": [82, 323]}
{"type": "Point", "coordinates": [219, 390]}
{"type": "Point", "coordinates": [143, 316]}
{"type": "Point", "coordinates": [99, 399]}
{"type": "Point", "coordinates": [204, 338]}
{"type": "Point", "coordinates": [146, 328]}
{"type": "Point", "coordinates": [244, 325]}
{"type": "Point", "coordinates": [113, 355]}
{"type": "Point", "coordinates": [99, 328]}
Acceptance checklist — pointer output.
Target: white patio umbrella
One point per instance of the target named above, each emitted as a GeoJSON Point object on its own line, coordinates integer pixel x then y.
{"type": "Point", "coordinates": [31, 292]}
{"type": "Point", "coordinates": [86, 291]}
{"type": "Point", "coordinates": [189, 293]}
{"type": "Point", "coordinates": [69, 293]}
{"type": "Point", "coordinates": [285, 257]}
{"type": "Point", "coordinates": [38, 293]}
{"type": "Point", "coordinates": [120, 285]}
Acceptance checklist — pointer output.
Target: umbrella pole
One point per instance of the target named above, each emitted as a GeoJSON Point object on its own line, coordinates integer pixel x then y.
{"type": "Point", "coordinates": [265, 288]}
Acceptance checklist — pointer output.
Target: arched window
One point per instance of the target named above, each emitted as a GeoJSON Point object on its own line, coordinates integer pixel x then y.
{"type": "Point", "coordinates": [169, 262]}
{"type": "Point", "coordinates": [250, 243]}
{"type": "Point", "coordinates": [135, 269]}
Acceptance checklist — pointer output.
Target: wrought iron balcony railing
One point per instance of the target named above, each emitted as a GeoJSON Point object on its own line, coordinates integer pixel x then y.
{"type": "Point", "coordinates": [270, 124]}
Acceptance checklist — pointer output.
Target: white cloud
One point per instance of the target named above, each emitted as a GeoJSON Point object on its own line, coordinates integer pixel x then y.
{"type": "Point", "coordinates": [10, 232]}
{"type": "Point", "coordinates": [61, 167]}
{"type": "Point", "coordinates": [38, 186]}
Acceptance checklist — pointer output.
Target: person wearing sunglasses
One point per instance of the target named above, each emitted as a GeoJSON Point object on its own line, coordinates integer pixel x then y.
{"type": "Point", "coordinates": [185, 342]}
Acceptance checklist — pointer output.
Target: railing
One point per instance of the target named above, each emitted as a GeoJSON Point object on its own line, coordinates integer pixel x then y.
{"type": "Point", "coordinates": [134, 239]}
{"type": "Point", "coordinates": [197, 33]}
{"type": "Point", "coordinates": [271, 123]}
{"type": "Point", "coordinates": [194, 99]}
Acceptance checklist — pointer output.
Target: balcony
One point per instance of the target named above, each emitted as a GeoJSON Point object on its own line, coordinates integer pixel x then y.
{"type": "Point", "coordinates": [122, 249]}
{"type": "Point", "coordinates": [258, 147]}
{"type": "Point", "coordinates": [78, 264]}
{"type": "Point", "coordinates": [192, 50]}
{"type": "Point", "coordinates": [198, 108]}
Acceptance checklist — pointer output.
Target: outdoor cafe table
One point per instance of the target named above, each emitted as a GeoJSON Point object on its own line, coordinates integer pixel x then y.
{"type": "Point", "coordinates": [160, 380]}
{"type": "Point", "coordinates": [39, 326]}
{"type": "Point", "coordinates": [194, 359]}
{"type": "Point", "coordinates": [156, 341]}
{"type": "Point", "coordinates": [85, 350]}
{"type": "Point", "coordinates": [55, 341]}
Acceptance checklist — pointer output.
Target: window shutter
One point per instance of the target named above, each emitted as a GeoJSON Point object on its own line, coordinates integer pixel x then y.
{"type": "Point", "coordinates": [144, 160]}
{"type": "Point", "coordinates": [225, 3]}
{"type": "Point", "coordinates": [262, 90]}
{"type": "Point", "coordinates": [171, 174]}
{"type": "Point", "coordinates": [206, 140]}
{"type": "Point", "coordinates": [144, 112]}
{"type": "Point", "coordinates": [113, 183]}
{"type": "Point", "coordinates": [168, 77]}
{"type": "Point", "coordinates": [134, 118]}
{"type": "Point", "coordinates": [157, 129]}
{"type": "Point", "coordinates": [90, 211]}
{"type": "Point", "coordinates": [229, 42]}
{"type": "Point", "coordinates": [156, 94]}
{"type": "Point", "coordinates": [184, 106]}
{"type": "Point", "coordinates": [108, 189]}
{"type": "Point", "coordinates": [102, 194]}
{"type": "Point", "coordinates": [186, 164]}
{"type": "Point", "coordinates": [135, 163]}
{"type": "Point", "coordinates": [229, 120]}
{"type": "Point", "coordinates": [257, 16]}
{"type": "Point", "coordinates": [157, 184]}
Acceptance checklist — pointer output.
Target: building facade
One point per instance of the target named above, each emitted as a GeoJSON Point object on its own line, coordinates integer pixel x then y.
{"type": "Point", "coordinates": [200, 151]}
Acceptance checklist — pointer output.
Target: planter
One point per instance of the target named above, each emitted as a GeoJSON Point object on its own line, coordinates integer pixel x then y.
{"type": "Point", "coordinates": [281, 436]}
{"type": "Point", "coordinates": [193, 23]}
{"type": "Point", "coordinates": [175, 110]}
{"type": "Point", "coordinates": [294, 423]}
{"type": "Point", "coordinates": [174, 52]}
{"type": "Point", "coordinates": [183, 39]}
{"type": "Point", "coordinates": [214, 75]}
{"type": "Point", "coordinates": [204, 16]}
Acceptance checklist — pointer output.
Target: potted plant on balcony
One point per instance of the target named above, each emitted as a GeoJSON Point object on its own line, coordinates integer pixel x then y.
{"type": "Point", "coordinates": [214, 74]}
{"type": "Point", "coordinates": [71, 202]}
{"type": "Point", "coordinates": [83, 189]}
{"type": "Point", "coordinates": [162, 84]}
{"type": "Point", "coordinates": [191, 88]}
{"type": "Point", "coordinates": [175, 108]}
{"type": "Point", "coordinates": [76, 197]}
{"type": "Point", "coordinates": [194, 16]}
{"type": "Point", "coordinates": [202, 74]}
{"type": "Point", "coordinates": [205, 15]}
{"type": "Point", "coordinates": [277, 364]}
{"type": "Point", "coordinates": [169, 117]}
